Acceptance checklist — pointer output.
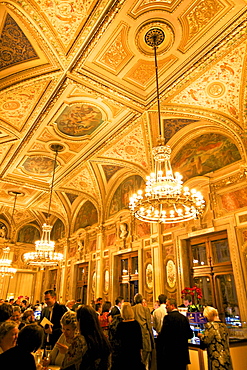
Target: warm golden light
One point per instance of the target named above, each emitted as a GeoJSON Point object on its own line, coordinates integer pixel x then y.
{"type": "Point", "coordinates": [165, 199]}
{"type": "Point", "coordinates": [44, 255]}
{"type": "Point", "coordinates": [5, 264]}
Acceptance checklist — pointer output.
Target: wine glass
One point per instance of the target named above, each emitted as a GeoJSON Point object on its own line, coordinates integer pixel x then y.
{"type": "Point", "coordinates": [48, 350]}
{"type": "Point", "coordinates": [38, 356]}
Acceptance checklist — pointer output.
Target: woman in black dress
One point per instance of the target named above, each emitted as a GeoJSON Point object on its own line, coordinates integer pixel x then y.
{"type": "Point", "coordinates": [129, 335]}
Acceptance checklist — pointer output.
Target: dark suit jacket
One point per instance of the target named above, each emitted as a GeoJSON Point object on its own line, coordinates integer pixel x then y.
{"type": "Point", "coordinates": [114, 311]}
{"type": "Point", "coordinates": [172, 342]}
{"type": "Point", "coordinates": [57, 313]}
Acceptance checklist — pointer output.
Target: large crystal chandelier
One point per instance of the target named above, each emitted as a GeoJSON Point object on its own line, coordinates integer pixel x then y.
{"type": "Point", "coordinates": [165, 199]}
{"type": "Point", "coordinates": [6, 268]}
{"type": "Point", "coordinates": [45, 254]}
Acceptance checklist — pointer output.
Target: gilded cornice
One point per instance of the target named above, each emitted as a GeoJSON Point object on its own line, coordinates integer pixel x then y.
{"type": "Point", "coordinates": [236, 178]}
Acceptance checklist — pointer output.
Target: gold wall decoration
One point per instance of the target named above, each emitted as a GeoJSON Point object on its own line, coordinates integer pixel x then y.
{"type": "Point", "coordinates": [149, 276]}
{"type": "Point", "coordinates": [171, 274]}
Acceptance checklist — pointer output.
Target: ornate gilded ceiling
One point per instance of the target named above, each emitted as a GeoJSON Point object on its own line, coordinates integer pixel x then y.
{"type": "Point", "coordinates": [79, 73]}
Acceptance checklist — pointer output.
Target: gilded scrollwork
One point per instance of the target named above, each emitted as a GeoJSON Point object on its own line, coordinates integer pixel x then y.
{"type": "Point", "coordinates": [198, 17]}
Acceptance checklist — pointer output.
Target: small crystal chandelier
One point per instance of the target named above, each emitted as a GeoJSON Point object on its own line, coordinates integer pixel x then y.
{"type": "Point", "coordinates": [166, 200]}
{"type": "Point", "coordinates": [5, 263]}
{"type": "Point", "coordinates": [45, 255]}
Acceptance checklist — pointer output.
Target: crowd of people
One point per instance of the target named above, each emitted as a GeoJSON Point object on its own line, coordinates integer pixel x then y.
{"type": "Point", "coordinates": [102, 336]}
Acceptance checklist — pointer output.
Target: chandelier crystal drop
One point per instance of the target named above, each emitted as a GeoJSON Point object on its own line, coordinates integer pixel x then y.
{"type": "Point", "coordinates": [165, 199]}
{"type": "Point", "coordinates": [5, 264]}
{"type": "Point", "coordinates": [45, 255]}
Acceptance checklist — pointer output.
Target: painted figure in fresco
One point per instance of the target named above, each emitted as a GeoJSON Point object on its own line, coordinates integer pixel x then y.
{"type": "Point", "coordinates": [79, 119]}
{"type": "Point", "coordinates": [205, 154]}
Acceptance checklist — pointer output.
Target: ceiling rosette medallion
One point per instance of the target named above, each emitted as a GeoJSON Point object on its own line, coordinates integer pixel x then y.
{"type": "Point", "coordinates": [165, 45]}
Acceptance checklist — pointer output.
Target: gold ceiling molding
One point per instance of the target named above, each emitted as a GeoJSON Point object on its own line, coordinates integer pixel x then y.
{"type": "Point", "coordinates": [210, 119]}
{"type": "Point", "coordinates": [17, 103]}
{"type": "Point", "coordinates": [76, 146]}
{"type": "Point", "coordinates": [84, 182]}
{"type": "Point", "coordinates": [102, 89]}
{"type": "Point", "coordinates": [6, 136]}
{"type": "Point", "coordinates": [142, 6]}
{"type": "Point", "coordinates": [143, 72]}
{"type": "Point", "coordinates": [66, 18]}
{"type": "Point", "coordinates": [82, 35]}
{"type": "Point", "coordinates": [218, 87]}
{"type": "Point", "coordinates": [214, 51]}
{"type": "Point", "coordinates": [199, 17]}
{"type": "Point", "coordinates": [16, 48]}
{"type": "Point", "coordinates": [57, 206]}
{"type": "Point", "coordinates": [130, 148]}
{"type": "Point", "coordinates": [4, 149]}
{"type": "Point", "coordinates": [115, 108]}
{"type": "Point", "coordinates": [116, 52]}
{"type": "Point", "coordinates": [46, 135]}
{"type": "Point", "coordinates": [38, 147]}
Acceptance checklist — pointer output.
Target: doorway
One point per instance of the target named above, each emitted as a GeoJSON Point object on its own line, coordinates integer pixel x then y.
{"type": "Point", "coordinates": [82, 282]}
{"type": "Point", "coordinates": [128, 276]}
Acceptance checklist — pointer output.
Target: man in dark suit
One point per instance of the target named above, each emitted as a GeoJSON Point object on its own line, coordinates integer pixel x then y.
{"type": "Point", "coordinates": [53, 312]}
{"type": "Point", "coordinates": [116, 309]}
{"type": "Point", "coordinates": [172, 342]}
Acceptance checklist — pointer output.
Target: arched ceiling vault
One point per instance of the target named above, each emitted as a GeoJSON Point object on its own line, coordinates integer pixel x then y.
{"type": "Point", "coordinates": [79, 73]}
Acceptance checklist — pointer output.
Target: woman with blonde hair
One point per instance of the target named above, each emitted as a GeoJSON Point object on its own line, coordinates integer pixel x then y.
{"type": "Point", "coordinates": [216, 339]}
{"type": "Point", "coordinates": [69, 329]}
{"type": "Point", "coordinates": [129, 335]}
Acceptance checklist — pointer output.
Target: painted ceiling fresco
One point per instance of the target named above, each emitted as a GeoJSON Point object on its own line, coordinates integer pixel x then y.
{"type": "Point", "coordinates": [79, 120]}
{"type": "Point", "coordinates": [79, 74]}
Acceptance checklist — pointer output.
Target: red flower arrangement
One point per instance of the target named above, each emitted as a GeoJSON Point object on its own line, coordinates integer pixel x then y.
{"type": "Point", "coordinates": [195, 292]}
